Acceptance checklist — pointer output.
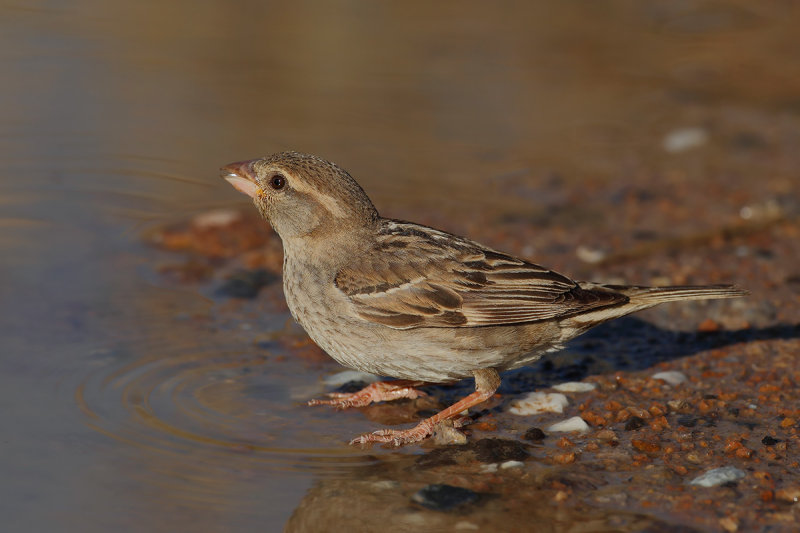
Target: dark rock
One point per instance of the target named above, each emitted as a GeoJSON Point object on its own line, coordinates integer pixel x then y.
{"type": "Point", "coordinates": [687, 421]}
{"type": "Point", "coordinates": [500, 450]}
{"type": "Point", "coordinates": [633, 423]}
{"type": "Point", "coordinates": [245, 283]}
{"type": "Point", "coordinates": [770, 441]}
{"type": "Point", "coordinates": [440, 497]}
{"type": "Point", "coordinates": [534, 434]}
{"type": "Point", "coordinates": [484, 451]}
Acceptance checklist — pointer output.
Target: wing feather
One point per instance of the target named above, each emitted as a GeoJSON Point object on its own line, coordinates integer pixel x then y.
{"type": "Point", "coordinates": [421, 277]}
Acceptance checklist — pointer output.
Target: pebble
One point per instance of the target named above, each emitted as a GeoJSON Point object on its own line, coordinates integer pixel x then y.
{"type": "Point", "coordinates": [790, 494]}
{"type": "Point", "coordinates": [245, 284]}
{"type": "Point", "coordinates": [440, 497]}
{"type": "Point", "coordinates": [634, 423]}
{"type": "Point", "coordinates": [511, 464]}
{"type": "Point", "coordinates": [606, 434]}
{"type": "Point", "coordinates": [216, 218]}
{"type": "Point", "coordinates": [682, 139]}
{"type": "Point", "coordinates": [339, 379]}
{"type": "Point", "coordinates": [575, 423]}
{"type": "Point", "coordinates": [444, 434]}
{"type": "Point", "coordinates": [718, 476]}
{"type": "Point", "coordinates": [539, 402]}
{"type": "Point", "coordinates": [575, 386]}
{"type": "Point", "coordinates": [673, 377]}
{"type": "Point", "coordinates": [466, 526]}
{"type": "Point", "coordinates": [534, 434]}
{"type": "Point", "coordinates": [590, 255]}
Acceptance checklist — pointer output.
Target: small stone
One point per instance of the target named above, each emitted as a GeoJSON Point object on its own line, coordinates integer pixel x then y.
{"type": "Point", "coordinates": [676, 405]}
{"type": "Point", "coordinates": [683, 139]}
{"type": "Point", "coordinates": [499, 450]}
{"type": "Point", "coordinates": [634, 423]}
{"type": "Point", "coordinates": [769, 441]}
{"type": "Point", "coordinates": [466, 526]}
{"type": "Point", "coordinates": [789, 494]}
{"type": "Point", "coordinates": [575, 423]}
{"type": "Point", "coordinates": [606, 434]}
{"type": "Point", "coordinates": [564, 458]}
{"type": "Point", "coordinates": [646, 446]}
{"type": "Point", "coordinates": [511, 464]}
{"type": "Point", "coordinates": [386, 484]}
{"type": "Point", "coordinates": [590, 255]}
{"type": "Point", "coordinates": [245, 283]}
{"type": "Point", "coordinates": [788, 422]}
{"type": "Point", "coordinates": [534, 434]}
{"type": "Point", "coordinates": [490, 468]}
{"type": "Point", "coordinates": [440, 497]}
{"type": "Point", "coordinates": [539, 402]}
{"type": "Point", "coordinates": [729, 524]}
{"type": "Point", "coordinates": [708, 326]}
{"type": "Point", "coordinates": [216, 218]}
{"type": "Point", "coordinates": [672, 377]}
{"type": "Point", "coordinates": [718, 476]}
{"type": "Point", "coordinates": [444, 433]}
{"type": "Point", "coordinates": [575, 386]}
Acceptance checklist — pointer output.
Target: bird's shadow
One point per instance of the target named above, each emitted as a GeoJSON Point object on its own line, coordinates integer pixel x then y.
{"type": "Point", "coordinates": [627, 344]}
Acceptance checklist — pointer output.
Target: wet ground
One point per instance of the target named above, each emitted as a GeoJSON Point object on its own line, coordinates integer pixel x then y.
{"type": "Point", "coordinates": [152, 378]}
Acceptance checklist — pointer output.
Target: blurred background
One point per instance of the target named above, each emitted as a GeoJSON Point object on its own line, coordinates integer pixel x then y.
{"type": "Point", "coordinates": [568, 132]}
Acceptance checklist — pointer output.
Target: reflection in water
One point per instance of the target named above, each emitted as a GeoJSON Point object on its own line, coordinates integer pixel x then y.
{"type": "Point", "coordinates": [201, 403]}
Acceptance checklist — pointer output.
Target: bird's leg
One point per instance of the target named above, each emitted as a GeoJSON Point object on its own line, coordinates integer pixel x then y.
{"type": "Point", "coordinates": [381, 391]}
{"type": "Point", "coordinates": [486, 382]}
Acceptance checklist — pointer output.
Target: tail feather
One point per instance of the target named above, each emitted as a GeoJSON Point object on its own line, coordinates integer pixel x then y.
{"type": "Point", "coordinates": [640, 298]}
{"type": "Point", "coordinates": [656, 295]}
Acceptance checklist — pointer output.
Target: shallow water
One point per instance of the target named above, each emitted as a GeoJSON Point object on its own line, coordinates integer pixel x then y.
{"type": "Point", "coordinates": [129, 403]}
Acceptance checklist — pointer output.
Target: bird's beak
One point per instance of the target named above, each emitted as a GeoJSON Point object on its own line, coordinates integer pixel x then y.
{"type": "Point", "coordinates": [240, 174]}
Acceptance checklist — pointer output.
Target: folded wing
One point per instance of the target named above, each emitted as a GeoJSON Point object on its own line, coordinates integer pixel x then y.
{"type": "Point", "coordinates": [421, 277]}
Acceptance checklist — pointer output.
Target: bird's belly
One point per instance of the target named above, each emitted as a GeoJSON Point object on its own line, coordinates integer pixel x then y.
{"type": "Point", "coordinates": [424, 354]}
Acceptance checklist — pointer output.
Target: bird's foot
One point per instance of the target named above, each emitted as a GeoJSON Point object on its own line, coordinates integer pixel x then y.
{"type": "Point", "coordinates": [380, 391]}
{"type": "Point", "coordinates": [421, 431]}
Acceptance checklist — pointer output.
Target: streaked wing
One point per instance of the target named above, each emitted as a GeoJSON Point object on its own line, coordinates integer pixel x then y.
{"type": "Point", "coordinates": [421, 277]}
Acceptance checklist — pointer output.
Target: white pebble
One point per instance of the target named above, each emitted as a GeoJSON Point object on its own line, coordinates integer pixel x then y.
{"type": "Point", "coordinates": [683, 139]}
{"type": "Point", "coordinates": [575, 386]}
{"type": "Point", "coordinates": [490, 468]}
{"type": "Point", "coordinates": [539, 402]}
{"type": "Point", "coordinates": [589, 255]}
{"type": "Point", "coordinates": [511, 464]}
{"type": "Point", "coordinates": [575, 423]}
{"type": "Point", "coordinates": [466, 526]}
{"type": "Point", "coordinates": [718, 476]}
{"type": "Point", "coordinates": [346, 376]}
{"type": "Point", "coordinates": [673, 377]}
{"type": "Point", "coordinates": [217, 218]}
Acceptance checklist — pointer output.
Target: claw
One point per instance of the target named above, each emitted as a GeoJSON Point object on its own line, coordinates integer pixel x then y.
{"type": "Point", "coordinates": [376, 392]}
{"type": "Point", "coordinates": [397, 437]}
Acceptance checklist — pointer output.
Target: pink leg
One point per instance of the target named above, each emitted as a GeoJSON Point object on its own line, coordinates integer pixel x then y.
{"type": "Point", "coordinates": [486, 383]}
{"type": "Point", "coordinates": [381, 391]}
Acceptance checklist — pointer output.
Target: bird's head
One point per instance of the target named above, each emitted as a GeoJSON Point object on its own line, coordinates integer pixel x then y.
{"type": "Point", "coordinates": [302, 194]}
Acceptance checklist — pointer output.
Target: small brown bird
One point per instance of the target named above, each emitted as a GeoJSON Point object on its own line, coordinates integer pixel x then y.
{"type": "Point", "coordinates": [407, 301]}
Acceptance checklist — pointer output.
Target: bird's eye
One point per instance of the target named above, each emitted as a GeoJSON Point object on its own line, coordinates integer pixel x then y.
{"type": "Point", "coordinates": [277, 182]}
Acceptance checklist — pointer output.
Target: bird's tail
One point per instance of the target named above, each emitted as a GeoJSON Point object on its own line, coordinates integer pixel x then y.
{"type": "Point", "coordinates": [640, 298]}
{"type": "Point", "coordinates": [656, 295]}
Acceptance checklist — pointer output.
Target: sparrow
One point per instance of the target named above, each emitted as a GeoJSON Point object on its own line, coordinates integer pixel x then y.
{"type": "Point", "coordinates": [411, 302]}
